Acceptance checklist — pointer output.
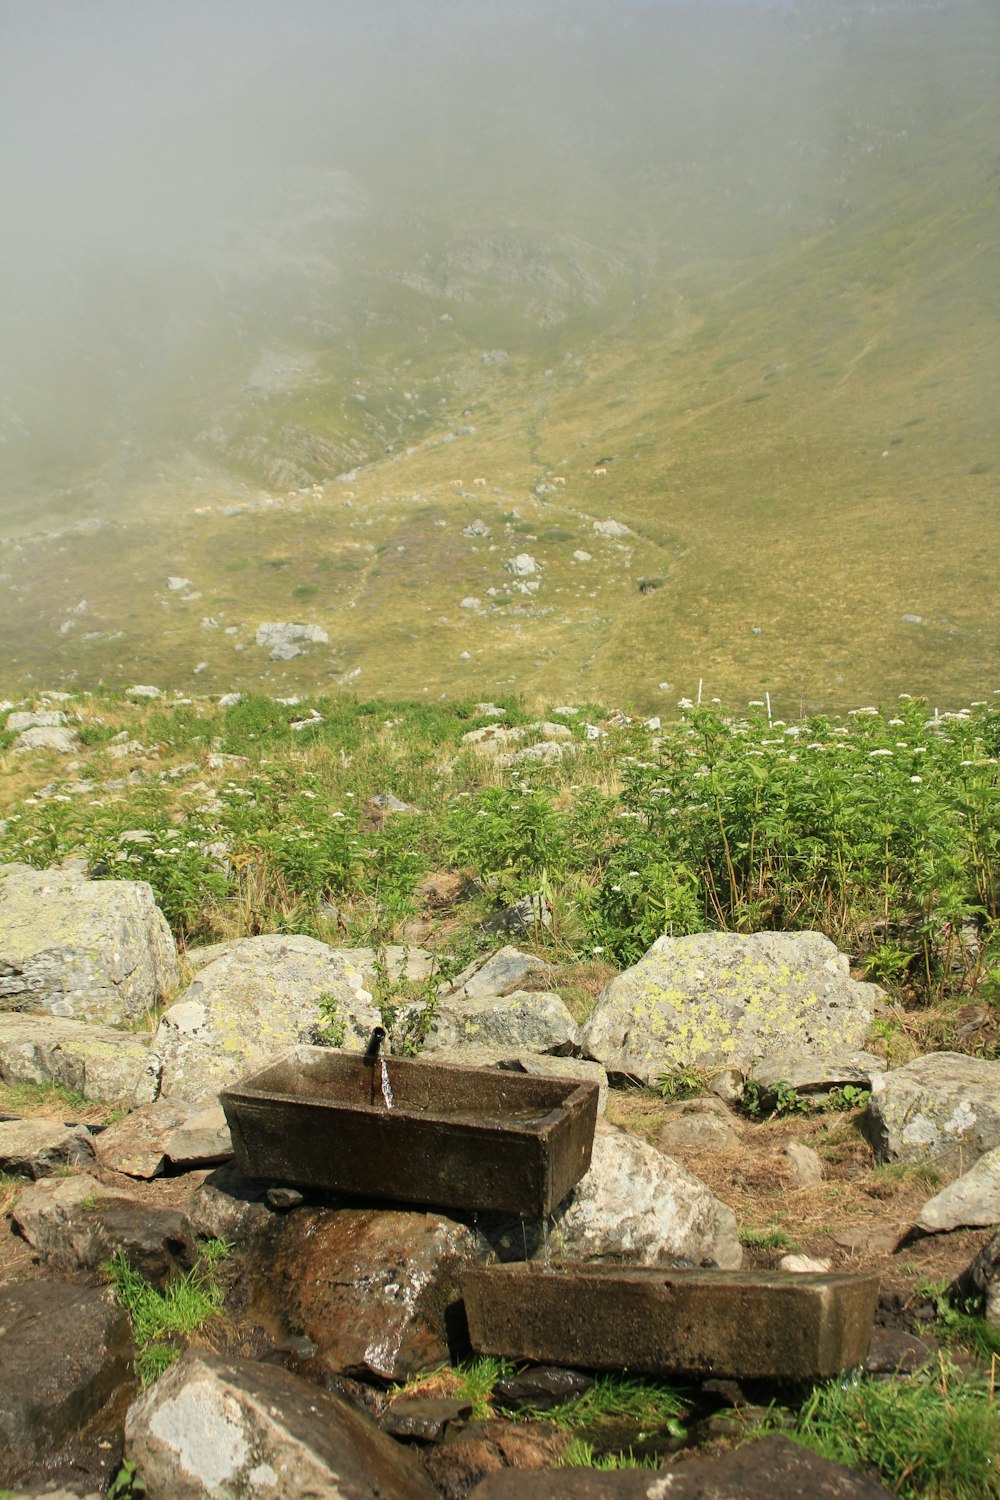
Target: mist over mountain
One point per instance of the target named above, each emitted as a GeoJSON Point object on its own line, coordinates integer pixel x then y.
{"type": "Point", "coordinates": [246, 251]}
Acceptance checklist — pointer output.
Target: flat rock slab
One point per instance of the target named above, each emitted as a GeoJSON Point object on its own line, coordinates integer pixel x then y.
{"type": "Point", "coordinates": [64, 1352]}
{"type": "Point", "coordinates": [219, 1428]}
{"type": "Point", "coordinates": [169, 1132]}
{"type": "Point", "coordinates": [772, 1469]}
{"type": "Point", "coordinates": [944, 1108]}
{"type": "Point", "coordinates": [529, 1020]}
{"type": "Point", "coordinates": [37, 1148]}
{"type": "Point", "coordinates": [748, 1325]}
{"type": "Point", "coordinates": [809, 1073]}
{"type": "Point", "coordinates": [101, 1063]}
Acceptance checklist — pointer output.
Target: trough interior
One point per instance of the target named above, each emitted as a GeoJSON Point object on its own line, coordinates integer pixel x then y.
{"type": "Point", "coordinates": [483, 1096]}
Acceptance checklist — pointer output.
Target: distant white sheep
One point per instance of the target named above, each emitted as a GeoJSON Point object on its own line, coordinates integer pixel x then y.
{"type": "Point", "coordinates": [558, 479]}
{"type": "Point", "coordinates": [480, 482]}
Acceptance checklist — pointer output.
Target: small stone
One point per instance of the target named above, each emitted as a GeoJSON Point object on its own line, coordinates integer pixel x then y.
{"type": "Point", "coordinates": [422, 1419]}
{"type": "Point", "coordinates": [804, 1165]}
{"type": "Point", "coordinates": [804, 1265]}
{"type": "Point", "coordinates": [284, 1198]}
{"type": "Point", "coordinates": [540, 1388]}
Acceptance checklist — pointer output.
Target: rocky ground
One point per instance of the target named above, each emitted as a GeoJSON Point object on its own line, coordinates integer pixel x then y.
{"type": "Point", "coordinates": [306, 1368]}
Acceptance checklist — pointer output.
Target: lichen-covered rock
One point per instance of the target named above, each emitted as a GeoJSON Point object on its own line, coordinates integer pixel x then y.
{"type": "Point", "coordinates": [634, 1206]}
{"type": "Point", "coordinates": [91, 950]}
{"type": "Point", "coordinates": [217, 1428]}
{"type": "Point", "coordinates": [264, 995]}
{"type": "Point", "coordinates": [101, 1063]}
{"type": "Point", "coordinates": [722, 1000]}
{"type": "Point", "coordinates": [59, 741]}
{"type": "Point", "coordinates": [528, 1020]}
{"type": "Point", "coordinates": [944, 1108]}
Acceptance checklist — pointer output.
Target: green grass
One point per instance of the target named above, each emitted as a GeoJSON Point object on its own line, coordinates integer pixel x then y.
{"type": "Point", "coordinates": [163, 1321]}
{"type": "Point", "coordinates": [769, 1238]}
{"type": "Point", "coordinates": [618, 1399]}
{"type": "Point", "coordinates": [933, 1437]}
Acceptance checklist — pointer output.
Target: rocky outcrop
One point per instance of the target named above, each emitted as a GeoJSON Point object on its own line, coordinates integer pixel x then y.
{"type": "Point", "coordinates": [91, 950]}
{"type": "Point", "coordinates": [264, 995]}
{"type": "Point", "coordinates": [718, 1000]}
{"type": "Point", "coordinates": [78, 1224]}
{"type": "Point", "coordinates": [37, 1148]}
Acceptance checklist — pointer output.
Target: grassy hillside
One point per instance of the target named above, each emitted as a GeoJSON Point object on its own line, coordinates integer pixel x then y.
{"type": "Point", "coordinates": [765, 309]}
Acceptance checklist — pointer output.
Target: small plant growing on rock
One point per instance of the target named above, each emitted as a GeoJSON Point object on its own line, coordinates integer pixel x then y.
{"type": "Point", "coordinates": [331, 1030]}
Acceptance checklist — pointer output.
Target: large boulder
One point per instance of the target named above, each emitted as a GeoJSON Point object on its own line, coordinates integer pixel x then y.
{"type": "Point", "coordinates": [213, 1429]}
{"type": "Point", "coordinates": [376, 1290]}
{"type": "Point", "coordinates": [718, 1000]}
{"type": "Point", "coordinates": [65, 1351]}
{"type": "Point", "coordinates": [102, 1063]}
{"type": "Point", "coordinates": [634, 1206]}
{"type": "Point", "coordinates": [263, 996]}
{"type": "Point", "coordinates": [944, 1108]}
{"type": "Point", "coordinates": [93, 950]}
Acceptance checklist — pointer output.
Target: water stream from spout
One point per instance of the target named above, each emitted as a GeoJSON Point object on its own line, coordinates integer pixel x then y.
{"type": "Point", "coordinates": [385, 1085]}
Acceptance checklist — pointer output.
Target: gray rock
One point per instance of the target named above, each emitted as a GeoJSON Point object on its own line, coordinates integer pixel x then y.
{"type": "Point", "coordinates": [143, 690]}
{"type": "Point", "coordinates": [284, 633]}
{"type": "Point", "coordinates": [971, 1200]}
{"type": "Point", "coordinates": [401, 963]}
{"type": "Point", "coordinates": [229, 1206]}
{"type": "Point", "coordinates": [634, 1206]}
{"type": "Point", "coordinates": [77, 1224]}
{"type": "Point", "coordinates": [101, 1063]}
{"type": "Point", "coordinates": [375, 1289]}
{"type": "Point", "coordinates": [526, 915]}
{"type": "Point", "coordinates": [65, 1352]}
{"type": "Point", "coordinates": [92, 950]}
{"type": "Point", "coordinates": [284, 651]}
{"type": "Point", "coordinates": [527, 1019]}
{"type": "Point", "coordinates": [521, 566]}
{"type": "Point", "coordinates": [60, 741]}
{"type": "Point", "coordinates": [261, 997]}
{"type": "Point", "coordinates": [37, 1148]}
{"type": "Point", "coordinates": [944, 1108]}
{"type": "Point", "coordinates": [805, 1166]}
{"type": "Point", "coordinates": [721, 1000]}
{"type": "Point", "coordinates": [612, 529]}
{"type": "Point", "coordinates": [805, 1265]}
{"type": "Point", "coordinates": [219, 1428]}
{"type": "Point", "coordinates": [492, 738]}
{"type": "Point", "coordinates": [546, 753]}
{"type": "Point", "coordinates": [49, 718]}
{"type": "Point", "coordinates": [499, 974]}
{"type": "Point", "coordinates": [169, 1132]}
{"type": "Point", "coordinates": [809, 1073]}
{"type": "Point", "coordinates": [697, 1125]}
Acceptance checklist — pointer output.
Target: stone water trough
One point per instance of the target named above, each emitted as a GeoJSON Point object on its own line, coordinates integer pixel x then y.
{"type": "Point", "coordinates": [752, 1324]}
{"type": "Point", "coordinates": [413, 1131]}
